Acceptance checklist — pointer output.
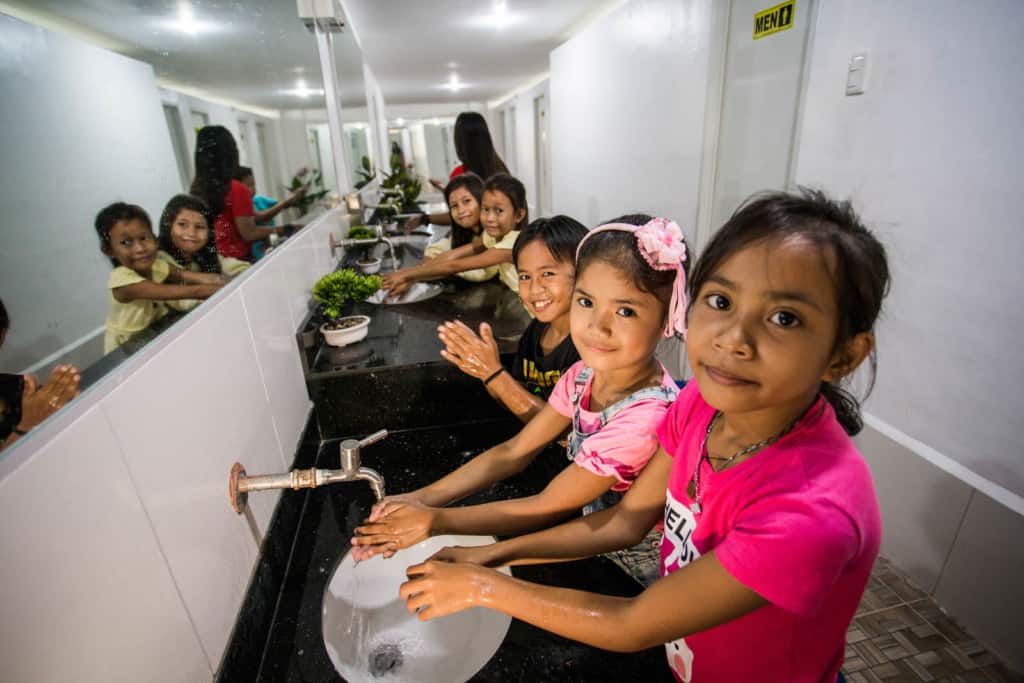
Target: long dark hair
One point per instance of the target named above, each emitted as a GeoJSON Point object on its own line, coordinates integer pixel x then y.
{"type": "Point", "coordinates": [472, 183]}
{"type": "Point", "coordinates": [216, 164]}
{"type": "Point", "coordinates": [861, 274]}
{"type": "Point", "coordinates": [206, 258]}
{"type": "Point", "coordinates": [474, 147]}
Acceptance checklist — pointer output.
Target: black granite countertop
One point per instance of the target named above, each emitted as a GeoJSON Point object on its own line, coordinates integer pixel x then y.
{"type": "Point", "coordinates": [294, 647]}
{"type": "Point", "coordinates": [406, 334]}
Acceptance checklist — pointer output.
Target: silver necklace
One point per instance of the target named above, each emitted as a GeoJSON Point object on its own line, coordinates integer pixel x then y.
{"type": "Point", "coordinates": [693, 489]}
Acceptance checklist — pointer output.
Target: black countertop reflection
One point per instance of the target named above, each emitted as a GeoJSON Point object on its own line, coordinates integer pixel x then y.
{"type": "Point", "coordinates": [294, 649]}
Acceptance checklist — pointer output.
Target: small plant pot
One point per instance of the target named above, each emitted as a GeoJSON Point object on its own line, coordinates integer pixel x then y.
{"type": "Point", "coordinates": [368, 266]}
{"type": "Point", "coordinates": [346, 330]}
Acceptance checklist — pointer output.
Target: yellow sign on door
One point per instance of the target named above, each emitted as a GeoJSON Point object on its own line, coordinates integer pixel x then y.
{"type": "Point", "coordinates": [774, 19]}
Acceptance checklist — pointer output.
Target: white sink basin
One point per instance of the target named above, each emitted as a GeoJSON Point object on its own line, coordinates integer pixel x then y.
{"type": "Point", "coordinates": [371, 636]}
{"type": "Point", "coordinates": [419, 291]}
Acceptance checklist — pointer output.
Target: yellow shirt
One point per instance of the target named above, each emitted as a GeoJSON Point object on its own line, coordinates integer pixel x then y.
{"type": "Point", "coordinates": [127, 319]}
{"type": "Point", "coordinates": [435, 249]}
{"type": "Point", "coordinates": [228, 265]}
{"type": "Point", "coordinates": [507, 271]}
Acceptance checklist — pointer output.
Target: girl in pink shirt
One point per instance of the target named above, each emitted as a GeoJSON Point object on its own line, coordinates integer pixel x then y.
{"type": "Point", "coordinates": [771, 523]}
{"type": "Point", "coordinates": [628, 293]}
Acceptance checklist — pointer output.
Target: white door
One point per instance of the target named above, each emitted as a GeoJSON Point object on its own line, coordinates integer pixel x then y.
{"type": "Point", "coordinates": [760, 105]}
{"type": "Point", "coordinates": [542, 171]}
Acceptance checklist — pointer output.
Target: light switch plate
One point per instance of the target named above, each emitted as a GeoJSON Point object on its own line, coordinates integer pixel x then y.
{"type": "Point", "coordinates": [856, 74]}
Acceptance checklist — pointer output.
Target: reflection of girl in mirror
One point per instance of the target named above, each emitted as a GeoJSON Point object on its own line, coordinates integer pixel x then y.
{"type": "Point", "coordinates": [185, 238]}
{"type": "Point", "coordinates": [503, 214]}
{"type": "Point", "coordinates": [140, 289]}
{"type": "Point", "coordinates": [24, 402]}
{"type": "Point", "coordinates": [545, 258]}
{"type": "Point", "coordinates": [463, 195]}
{"type": "Point", "coordinates": [185, 242]}
{"type": "Point", "coordinates": [265, 209]}
{"type": "Point", "coordinates": [475, 150]}
{"type": "Point", "coordinates": [231, 208]}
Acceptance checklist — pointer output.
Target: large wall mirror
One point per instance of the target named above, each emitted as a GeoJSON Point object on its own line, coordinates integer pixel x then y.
{"type": "Point", "coordinates": [102, 103]}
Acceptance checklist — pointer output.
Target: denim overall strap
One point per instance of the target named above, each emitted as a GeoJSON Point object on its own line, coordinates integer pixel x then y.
{"type": "Point", "coordinates": [576, 435]}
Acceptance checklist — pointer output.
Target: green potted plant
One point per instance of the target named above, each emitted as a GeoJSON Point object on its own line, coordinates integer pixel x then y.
{"type": "Point", "coordinates": [366, 173]}
{"type": "Point", "coordinates": [313, 182]}
{"type": "Point", "coordinates": [333, 291]}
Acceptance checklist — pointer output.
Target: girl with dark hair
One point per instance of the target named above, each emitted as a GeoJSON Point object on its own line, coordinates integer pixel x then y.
{"type": "Point", "coordinates": [475, 150]}
{"type": "Point", "coordinates": [503, 214]}
{"type": "Point", "coordinates": [545, 258]}
{"type": "Point", "coordinates": [142, 286]}
{"type": "Point", "coordinates": [628, 294]}
{"type": "Point", "coordinates": [463, 195]}
{"type": "Point", "coordinates": [230, 202]}
{"type": "Point", "coordinates": [185, 241]}
{"type": "Point", "coordinates": [771, 523]}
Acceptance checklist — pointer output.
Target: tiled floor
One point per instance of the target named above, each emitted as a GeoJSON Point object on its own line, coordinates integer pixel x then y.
{"type": "Point", "coordinates": [901, 634]}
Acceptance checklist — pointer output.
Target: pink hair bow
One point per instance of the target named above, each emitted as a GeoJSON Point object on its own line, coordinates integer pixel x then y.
{"type": "Point", "coordinates": [663, 246]}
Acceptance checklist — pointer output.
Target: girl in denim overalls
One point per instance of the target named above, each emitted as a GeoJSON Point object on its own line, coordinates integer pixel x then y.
{"type": "Point", "coordinates": [628, 293]}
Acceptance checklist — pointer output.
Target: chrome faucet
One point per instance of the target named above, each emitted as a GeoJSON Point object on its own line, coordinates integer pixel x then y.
{"type": "Point", "coordinates": [368, 242]}
{"type": "Point", "coordinates": [351, 469]}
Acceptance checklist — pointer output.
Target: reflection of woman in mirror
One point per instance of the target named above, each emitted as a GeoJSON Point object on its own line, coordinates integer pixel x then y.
{"type": "Point", "coordinates": [140, 284]}
{"type": "Point", "coordinates": [463, 195]}
{"type": "Point", "coordinates": [476, 153]}
{"type": "Point", "coordinates": [24, 403]}
{"type": "Point", "coordinates": [503, 214]}
{"type": "Point", "coordinates": [231, 208]}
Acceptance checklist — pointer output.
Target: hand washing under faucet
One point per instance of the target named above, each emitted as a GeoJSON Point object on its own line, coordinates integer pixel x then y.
{"type": "Point", "coordinates": [239, 484]}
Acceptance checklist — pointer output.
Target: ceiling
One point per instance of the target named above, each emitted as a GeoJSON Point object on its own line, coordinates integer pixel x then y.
{"type": "Point", "coordinates": [410, 45]}
{"type": "Point", "coordinates": [248, 51]}
{"type": "Point", "coordinates": [254, 52]}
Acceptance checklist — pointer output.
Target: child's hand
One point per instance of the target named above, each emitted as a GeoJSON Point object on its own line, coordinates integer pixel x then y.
{"type": "Point", "coordinates": [437, 589]}
{"type": "Point", "coordinates": [399, 524]}
{"type": "Point", "coordinates": [413, 223]}
{"type": "Point", "coordinates": [475, 356]}
{"type": "Point", "coordinates": [481, 555]}
{"type": "Point", "coordinates": [395, 284]}
{"type": "Point", "coordinates": [208, 289]}
{"type": "Point", "coordinates": [40, 402]}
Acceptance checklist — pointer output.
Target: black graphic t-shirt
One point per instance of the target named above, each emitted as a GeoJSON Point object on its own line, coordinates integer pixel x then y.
{"type": "Point", "coordinates": [535, 371]}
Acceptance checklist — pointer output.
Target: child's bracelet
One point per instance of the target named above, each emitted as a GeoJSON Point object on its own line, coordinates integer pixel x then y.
{"type": "Point", "coordinates": [493, 375]}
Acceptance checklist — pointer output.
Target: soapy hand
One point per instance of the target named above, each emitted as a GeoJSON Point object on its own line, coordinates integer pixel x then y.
{"type": "Point", "coordinates": [475, 356]}
{"type": "Point", "coordinates": [396, 284]}
{"type": "Point", "coordinates": [399, 524]}
{"type": "Point", "coordinates": [437, 589]}
{"type": "Point", "coordinates": [479, 555]}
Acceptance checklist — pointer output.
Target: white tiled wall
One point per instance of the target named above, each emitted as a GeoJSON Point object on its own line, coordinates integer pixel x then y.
{"type": "Point", "coordinates": [954, 541]}
{"type": "Point", "coordinates": [120, 551]}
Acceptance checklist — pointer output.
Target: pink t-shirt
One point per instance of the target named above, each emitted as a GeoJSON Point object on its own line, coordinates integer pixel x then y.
{"type": "Point", "coordinates": [798, 523]}
{"type": "Point", "coordinates": [626, 444]}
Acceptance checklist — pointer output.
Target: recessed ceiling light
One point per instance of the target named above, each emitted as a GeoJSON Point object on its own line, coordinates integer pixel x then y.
{"type": "Point", "coordinates": [302, 90]}
{"type": "Point", "coordinates": [498, 18]}
{"type": "Point", "coordinates": [186, 21]}
{"type": "Point", "coordinates": [454, 84]}
{"type": "Point", "coordinates": [399, 121]}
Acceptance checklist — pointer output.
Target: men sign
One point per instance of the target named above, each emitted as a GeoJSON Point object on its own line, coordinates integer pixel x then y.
{"type": "Point", "coordinates": [774, 19]}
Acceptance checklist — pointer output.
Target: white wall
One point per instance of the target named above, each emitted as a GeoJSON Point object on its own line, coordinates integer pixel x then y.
{"type": "Point", "coordinates": [627, 110]}
{"type": "Point", "coordinates": [131, 562]}
{"type": "Point", "coordinates": [522, 160]}
{"type": "Point", "coordinates": [931, 154]}
{"type": "Point", "coordinates": [60, 171]}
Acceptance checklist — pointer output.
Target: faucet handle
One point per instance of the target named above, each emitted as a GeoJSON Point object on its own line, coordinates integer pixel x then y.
{"type": "Point", "coordinates": [350, 459]}
{"type": "Point", "coordinates": [373, 438]}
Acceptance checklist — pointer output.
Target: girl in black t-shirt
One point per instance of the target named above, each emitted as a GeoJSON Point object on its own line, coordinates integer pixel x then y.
{"type": "Point", "coordinates": [544, 256]}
